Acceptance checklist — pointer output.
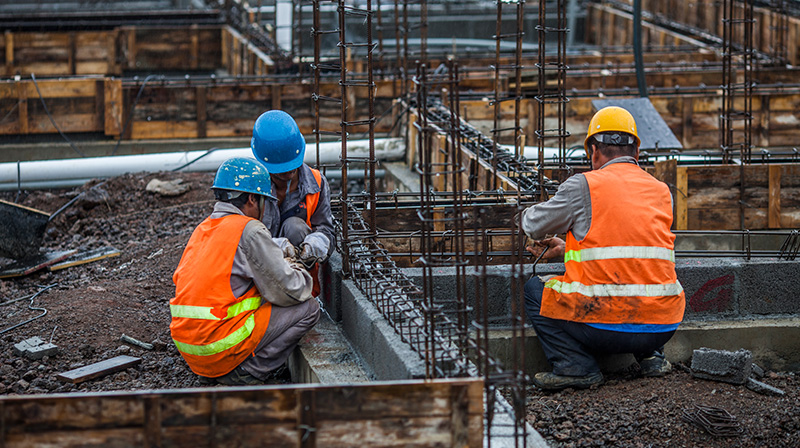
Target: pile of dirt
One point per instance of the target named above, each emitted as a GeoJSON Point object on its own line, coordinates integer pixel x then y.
{"type": "Point", "coordinates": [631, 412]}
{"type": "Point", "coordinates": [94, 304]}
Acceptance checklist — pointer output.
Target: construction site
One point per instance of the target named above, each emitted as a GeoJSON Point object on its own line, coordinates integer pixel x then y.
{"type": "Point", "coordinates": [436, 123]}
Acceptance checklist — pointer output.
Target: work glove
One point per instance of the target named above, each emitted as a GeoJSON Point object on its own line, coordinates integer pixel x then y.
{"type": "Point", "coordinates": [313, 249]}
{"type": "Point", "coordinates": [289, 251]}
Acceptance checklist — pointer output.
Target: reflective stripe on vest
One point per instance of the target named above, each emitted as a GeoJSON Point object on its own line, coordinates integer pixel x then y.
{"type": "Point", "coordinates": [204, 312]}
{"type": "Point", "coordinates": [610, 253]}
{"type": "Point", "coordinates": [223, 344]}
{"type": "Point", "coordinates": [611, 290]}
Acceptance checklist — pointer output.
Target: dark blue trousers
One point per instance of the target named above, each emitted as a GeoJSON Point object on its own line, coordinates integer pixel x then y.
{"type": "Point", "coordinates": [569, 345]}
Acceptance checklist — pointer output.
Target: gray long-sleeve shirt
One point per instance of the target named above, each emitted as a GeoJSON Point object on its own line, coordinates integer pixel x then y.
{"type": "Point", "coordinates": [569, 209]}
{"type": "Point", "coordinates": [260, 261]}
{"type": "Point", "coordinates": [321, 219]}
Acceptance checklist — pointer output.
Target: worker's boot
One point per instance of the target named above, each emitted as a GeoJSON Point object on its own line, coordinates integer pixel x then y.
{"type": "Point", "coordinates": [655, 365]}
{"type": "Point", "coordinates": [551, 381]}
{"type": "Point", "coordinates": [239, 377]}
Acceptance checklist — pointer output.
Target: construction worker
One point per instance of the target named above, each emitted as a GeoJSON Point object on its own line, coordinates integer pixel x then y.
{"type": "Point", "coordinates": [620, 293]}
{"type": "Point", "coordinates": [301, 217]}
{"type": "Point", "coordinates": [239, 308]}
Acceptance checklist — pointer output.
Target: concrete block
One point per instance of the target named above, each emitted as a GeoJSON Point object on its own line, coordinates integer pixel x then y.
{"type": "Point", "coordinates": [35, 348]}
{"type": "Point", "coordinates": [722, 365]}
{"type": "Point", "coordinates": [763, 388]}
{"type": "Point", "coordinates": [331, 286]}
{"type": "Point", "coordinates": [757, 371]}
{"type": "Point", "coordinates": [385, 355]}
{"type": "Point", "coordinates": [711, 286]}
{"type": "Point", "coordinates": [770, 287]}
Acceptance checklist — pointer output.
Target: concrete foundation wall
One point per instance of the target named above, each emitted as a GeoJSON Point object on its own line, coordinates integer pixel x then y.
{"type": "Point", "coordinates": [715, 288]}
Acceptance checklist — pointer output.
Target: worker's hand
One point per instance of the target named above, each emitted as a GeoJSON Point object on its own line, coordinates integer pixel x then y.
{"type": "Point", "coordinates": [556, 247]}
{"type": "Point", "coordinates": [314, 248]}
{"type": "Point", "coordinates": [287, 248]}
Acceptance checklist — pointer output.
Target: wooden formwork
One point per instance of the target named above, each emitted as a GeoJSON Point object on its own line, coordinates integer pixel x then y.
{"type": "Point", "coordinates": [76, 105]}
{"type": "Point", "coordinates": [404, 413]}
{"type": "Point", "coordinates": [707, 197]}
{"type": "Point", "coordinates": [614, 27]}
{"type": "Point", "coordinates": [59, 53]}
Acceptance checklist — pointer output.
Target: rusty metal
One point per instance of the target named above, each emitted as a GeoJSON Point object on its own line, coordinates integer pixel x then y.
{"type": "Point", "coordinates": [549, 97]}
{"type": "Point", "coordinates": [501, 96]}
{"type": "Point", "coordinates": [440, 168]}
{"type": "Point", "coordinates": [790, 247]}
{"type": "Point", "coordinates": [716, 421]}
{"type": "Point", "coordinates": [778, 29]}
{"type": "Point", "coordinates": [737, 97]}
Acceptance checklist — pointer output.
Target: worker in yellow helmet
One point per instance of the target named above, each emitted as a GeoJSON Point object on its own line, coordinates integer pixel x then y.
{"type": "Point", "coordinates": [620, 293]}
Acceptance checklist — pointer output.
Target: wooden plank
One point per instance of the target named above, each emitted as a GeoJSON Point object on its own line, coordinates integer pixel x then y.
{"type": "Point", "coordinates": [98, 369]}
{"type": "Point", "coordinates": [9, 53]}
{"type": "Point", "coordinates": [200, 98]}
{"type": "Point", "coordinates": [71, 53]}
{"type": "Point", "coordinates": [163, 129]}
{"type": "Point", "coordinates": [681, 196]}
{"type": "Point", "coordinates": [22, 96]}
{"type": "Point", "coordinates": [112, 108]}
{"type": "Point", "coordinates": [667, 171]}
{"type": "Point", "coordinates": [774, 210]}
{"type": "Point", "coordinates": [194, 48]}
{"type": "Point", "coordinates": [152, 418]}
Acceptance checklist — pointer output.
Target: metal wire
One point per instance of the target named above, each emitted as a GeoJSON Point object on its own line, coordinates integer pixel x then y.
{"type": "Point", "coordinates": [716, 421]}
{"type": "Point", "coordinates": [30, 307]}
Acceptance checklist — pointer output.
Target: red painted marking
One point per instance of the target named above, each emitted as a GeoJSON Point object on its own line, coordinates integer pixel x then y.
{"type": "Point", "coordinates": [719, 302]}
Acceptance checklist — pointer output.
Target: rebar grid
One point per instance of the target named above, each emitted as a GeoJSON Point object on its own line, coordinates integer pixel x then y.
{"type": "Point", "coordinates": [347, 123]}
{"type": "Point", "coordinates": [737, 97]}
{"type": "Point", "coordinates": [501, 96]}
{"type": "Point", "coordinates": [778, 29]}
{"type": "Point", "coordinates": [440, 168]}
{"type": "Point", "coordinates": [511, 378]}
{"type": "Point", "coordinates": [517, 170]}
{"type": "Point", "coordinates": [552, 96]}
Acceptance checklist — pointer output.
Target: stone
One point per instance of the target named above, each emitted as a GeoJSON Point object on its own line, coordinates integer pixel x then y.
{"type": "Point", "coordinates": [763, 388]}
{"type": "Point", "coordinates": [722, 365]}
{"type": "Point", "coordinates": [35, 348]}
{"type": "Point", "coordinates": [174, 187]}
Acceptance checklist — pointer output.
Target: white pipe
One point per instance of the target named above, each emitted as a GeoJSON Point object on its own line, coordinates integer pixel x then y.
{"type": "Point", "coordinates": [71, 172]}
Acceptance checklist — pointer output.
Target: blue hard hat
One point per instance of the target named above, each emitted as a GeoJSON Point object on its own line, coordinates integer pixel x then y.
{"type": "Point", "coordinates": [245, 175]}
{"type": "Point", "coordinates": [277, 142]}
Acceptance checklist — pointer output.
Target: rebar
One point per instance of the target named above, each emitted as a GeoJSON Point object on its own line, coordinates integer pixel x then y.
{"type": "Point", "coordinates": [501, 96]}
{"type": "Point", "coordinates": [552, 97]}
{"type": "Point", "coordinates": [716, 421]}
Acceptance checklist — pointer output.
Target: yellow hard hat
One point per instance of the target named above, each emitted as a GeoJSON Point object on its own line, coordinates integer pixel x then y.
{"type": "Point", "coordinates": [612, 119]}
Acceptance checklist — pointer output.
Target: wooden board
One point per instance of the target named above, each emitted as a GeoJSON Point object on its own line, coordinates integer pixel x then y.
{"type": "Point", "coordinates": [84, 257]}
{"type": "Point", "coordinates": [402, 413]}
{"type": "Point", "coordinates": [26, 267]}
{"type": "Point", "coordinates": [98, 369]}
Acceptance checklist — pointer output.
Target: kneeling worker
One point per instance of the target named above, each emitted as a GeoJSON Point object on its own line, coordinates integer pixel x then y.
{"type": "Point", "coordinates": [301, 216]}
{"type": "Point", "coordinates": [620, 293]}
{"type": "Point", "coordinates": [239, 308]}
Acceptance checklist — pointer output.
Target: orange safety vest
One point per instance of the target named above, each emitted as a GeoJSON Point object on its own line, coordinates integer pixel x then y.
{"type": "Point", "coordinates": [623, 271]}
{"type": "Point", "coordinates": [311, 206]}
{"type": "Point", "coordinates": [213, 329]}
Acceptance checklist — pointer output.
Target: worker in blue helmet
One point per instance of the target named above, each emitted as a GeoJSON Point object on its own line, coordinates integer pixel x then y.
{"type": "Point", "coordinates": [240, 308]}
{"type": "Point", "coordinates": [301, 217]}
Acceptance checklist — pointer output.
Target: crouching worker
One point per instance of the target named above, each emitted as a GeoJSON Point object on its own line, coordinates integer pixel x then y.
{"type": "Point", "coordinates": [301, 216]}
{"type": "Point", "coordinates": [239, 308]}
{"type": "Point", "coordinates": [620, 293]}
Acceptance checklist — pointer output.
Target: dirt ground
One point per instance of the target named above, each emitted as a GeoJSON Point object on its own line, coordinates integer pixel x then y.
{"type": "Point", "coordinates": [94, 304]}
